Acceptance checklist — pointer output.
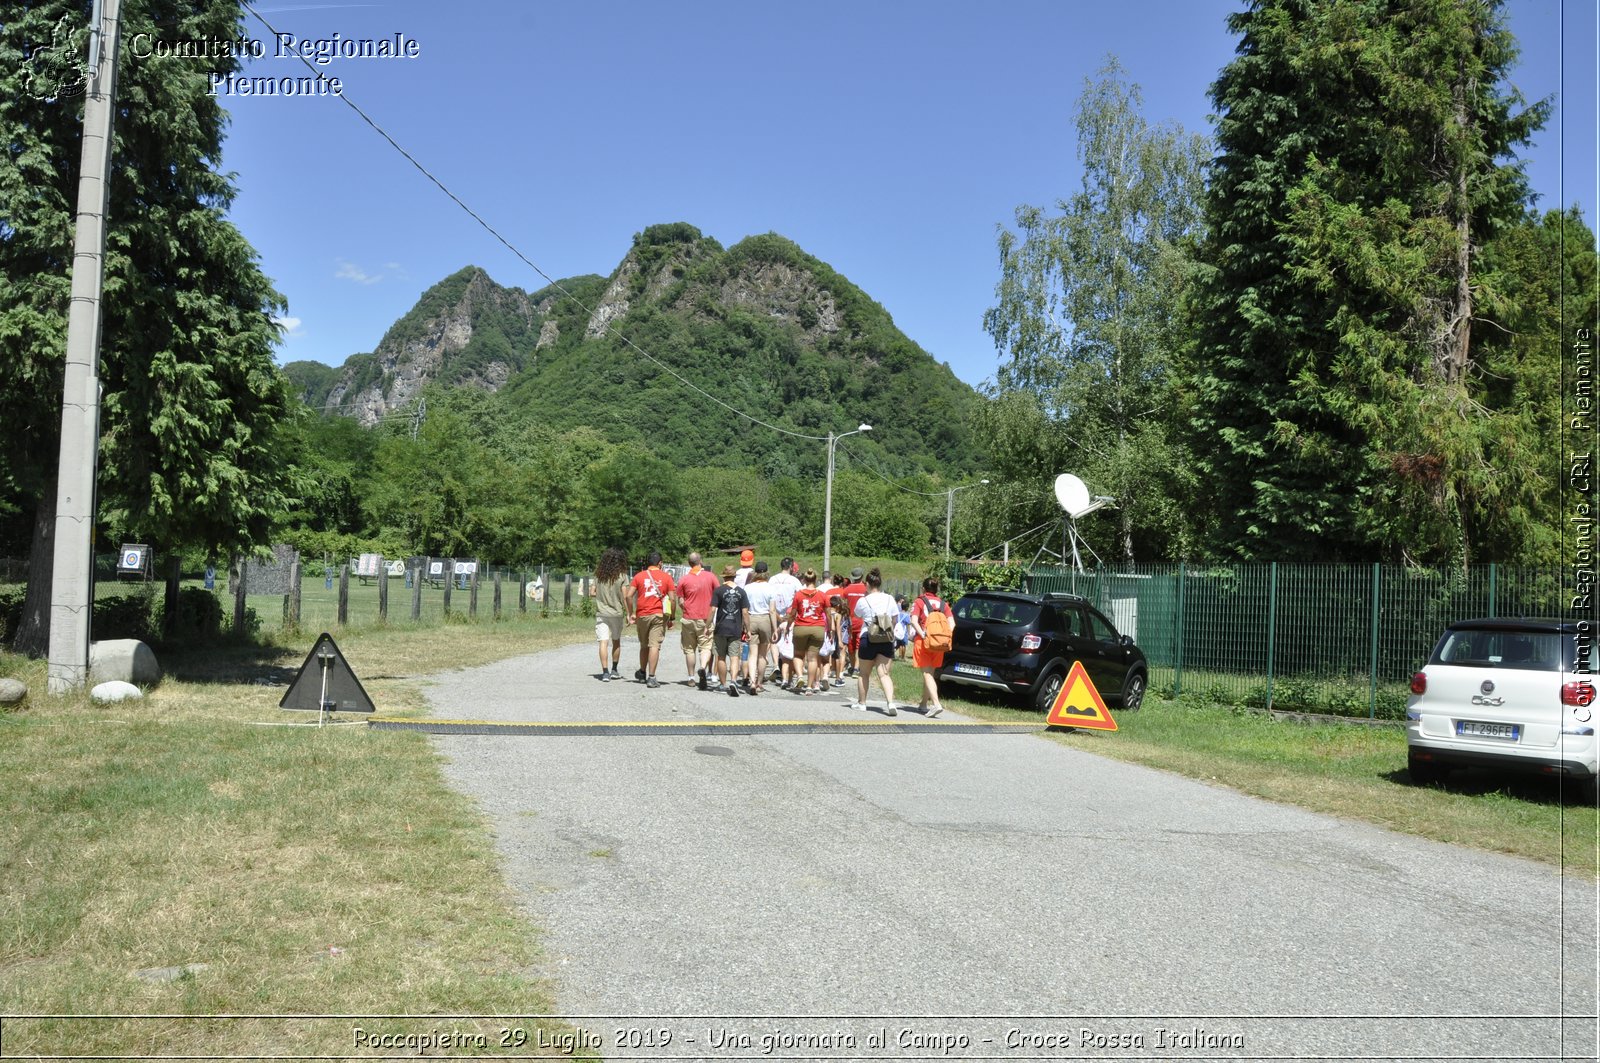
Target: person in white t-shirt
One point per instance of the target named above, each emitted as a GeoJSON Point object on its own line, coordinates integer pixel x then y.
{"type": "Point", "coordinates": [764, 621]}
{"type": "Point", "coordinates": [878, 613]}
{"type": "Point", "coordinates": [784, 586]}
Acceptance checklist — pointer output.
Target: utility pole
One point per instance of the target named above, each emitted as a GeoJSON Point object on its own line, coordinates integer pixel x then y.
{"type": "Point", "coordinates": [827, 503]}
{"type": "Point", "coordinates": [949, 512]}
{"type": "Point", "coordinates": [80, 400]}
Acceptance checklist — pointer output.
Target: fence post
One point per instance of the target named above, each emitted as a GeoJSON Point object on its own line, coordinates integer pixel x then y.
{"type": "Point", "coordinates": [544, 603]}
{"type": "Point", "coordinates": [566, 596]}
{"type": "Point", "coordinates": [1177, 667]}
{"type": "Point", "coordinates": [294, 593]}
{"type": "Point", "coordinates": [522, 592]}
{"type": "Point", "coordinates": [1492, 611]}
{"type": "Point", "coordinates": [449, 582]}
{"type": "Point", "coordinates": [472, 592]}
{"type": "Point", "coordinates": [1272, 627]}
{"type": "Point", "coordinates": [1372, 694]}
{"type": "Point", "coordinates": [344, 594]}
{"type": "Point", "coordinates": [383, 593]}
{"type": "Point", "coordinates": [238, 595]}
{"type": "Point", "coordinates": [416, 590]}
{"type": "Point", "coordinates": [497, 577]}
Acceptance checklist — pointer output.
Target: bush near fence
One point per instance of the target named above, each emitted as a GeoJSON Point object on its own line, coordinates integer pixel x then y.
{"type": "Point", "coordinates": [1339, 638]}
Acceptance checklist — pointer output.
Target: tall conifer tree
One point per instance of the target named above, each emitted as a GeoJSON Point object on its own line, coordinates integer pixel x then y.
{"type": "Point", "coordinates": [193, 400]}
{"type": "Point", "coordinates": [1365, 158]}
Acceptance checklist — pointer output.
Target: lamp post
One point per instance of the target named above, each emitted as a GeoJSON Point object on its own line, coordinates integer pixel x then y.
{"type": "Point", "coordinates": [827, 504]}
{"type": "Point", "coordinates": [949, 511]}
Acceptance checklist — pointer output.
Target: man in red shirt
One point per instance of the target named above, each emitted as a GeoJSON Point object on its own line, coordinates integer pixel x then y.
{"type": "Point", "coordinates": [649, 589]}
{"type": "Point", "coordinates": [853, 592]}
{"type": "Point", "coordinates": [694, 599]}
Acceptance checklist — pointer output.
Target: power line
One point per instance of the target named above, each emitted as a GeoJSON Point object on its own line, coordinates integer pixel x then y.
{"type": "Point", "coordinates": [492, 231]}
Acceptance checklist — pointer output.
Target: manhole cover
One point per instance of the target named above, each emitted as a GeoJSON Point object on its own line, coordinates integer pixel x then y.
{"type": "Point", "coordinates": [714, 751]}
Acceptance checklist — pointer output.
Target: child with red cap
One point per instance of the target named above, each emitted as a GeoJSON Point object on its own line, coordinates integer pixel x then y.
{"type": "Point", "coordinates": [747, 558]}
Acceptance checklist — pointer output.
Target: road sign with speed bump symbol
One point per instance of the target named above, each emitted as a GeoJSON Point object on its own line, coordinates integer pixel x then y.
{"type": "Point", "coordinates": [1078, 704]}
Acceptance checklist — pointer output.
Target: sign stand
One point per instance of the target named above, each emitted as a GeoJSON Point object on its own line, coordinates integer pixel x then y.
{"type": "Point", "coordinates": [334, 688]}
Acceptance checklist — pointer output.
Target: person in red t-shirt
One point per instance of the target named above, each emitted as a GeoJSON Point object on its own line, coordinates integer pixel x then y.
{"type": "Point", "coordinates": [853, 592]}
{"type": "Point", "coordinates": [694, 598]}
{"type": "Point", "coordinates": [927, 660]}
{"type": "Point", "coordinates": [649, 589]}
{"type": "Point", "coordinates": [808, 617]}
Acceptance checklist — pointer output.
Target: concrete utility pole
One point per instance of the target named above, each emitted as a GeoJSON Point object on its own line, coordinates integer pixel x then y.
{"type": "Point", "coordinates": [80, 399]}
{"type": "Point", "coordinates": [949, 512]}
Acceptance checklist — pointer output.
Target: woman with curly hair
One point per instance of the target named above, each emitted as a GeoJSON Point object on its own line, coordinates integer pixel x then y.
{"type": "Point", "coordinates": [610, 581]}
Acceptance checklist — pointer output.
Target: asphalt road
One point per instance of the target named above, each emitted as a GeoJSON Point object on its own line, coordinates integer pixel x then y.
{"type": "Point", "coordinates": [985, 896]}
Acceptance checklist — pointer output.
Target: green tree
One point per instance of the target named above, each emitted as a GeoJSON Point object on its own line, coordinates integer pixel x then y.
{"type": "Point", "coordinates": [190, 449]}
{"type": "Point", "coordinates": [636, 503]}
{"type": "Point", "coordinates": [1088, 317]}
{"type": "Point", "coordinates": [1364, 165]}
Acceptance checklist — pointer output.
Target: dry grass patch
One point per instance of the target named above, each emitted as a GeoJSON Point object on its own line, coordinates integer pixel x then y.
{"type": "Point", "coordinates": [307, 870]}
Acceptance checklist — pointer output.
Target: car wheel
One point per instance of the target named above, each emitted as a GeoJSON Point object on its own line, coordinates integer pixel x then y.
{"type": "Point", "coordinates": [1424, 772]}
{"type": "Point", "coordinates": [1049, 687]}
{"type": "Point", "coordinates": [1133, 691]}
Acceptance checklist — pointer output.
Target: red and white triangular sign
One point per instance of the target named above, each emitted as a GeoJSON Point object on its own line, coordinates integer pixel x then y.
{"type": "Point", "coordinates": [1078, 704]}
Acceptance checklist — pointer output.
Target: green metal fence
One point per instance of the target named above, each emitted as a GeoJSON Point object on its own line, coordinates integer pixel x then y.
{"type": "Point", "coordinates": [1334, 638]}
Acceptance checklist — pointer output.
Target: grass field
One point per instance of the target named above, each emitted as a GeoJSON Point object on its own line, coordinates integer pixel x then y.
{"type": "Point", "coordinates": [310, 871]}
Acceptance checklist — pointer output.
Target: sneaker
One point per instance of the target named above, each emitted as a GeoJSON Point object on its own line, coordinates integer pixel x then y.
{"type": "Point", "coordinates": [931, 713]}
{"type": "Point", "coordinates": [605, 677]}
{"type": "Point", "coordinates": [614, 673]}
{"type": "Point", "coordinates": [888, 709]}
{"type": "Point", "coordinates": [733, 690]}
{"type": "Point", "coordinates": [839, 681]}
{"type": "Point", "coordinates": [651, 683]}
{"type": "Point", "coordinates": [702, 679]}
{"type": "Point", "coordinates": [859, 706]}
{"type": "Point", "coordinates": [639, 676]}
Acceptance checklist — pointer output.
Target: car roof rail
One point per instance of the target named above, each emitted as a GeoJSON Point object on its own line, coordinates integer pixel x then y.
{"type": "Point", "coordinates": [1063, 596]}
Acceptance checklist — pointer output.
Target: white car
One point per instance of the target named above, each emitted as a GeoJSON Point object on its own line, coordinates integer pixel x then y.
{"type": "Point", "coordinates": [1512, 694]}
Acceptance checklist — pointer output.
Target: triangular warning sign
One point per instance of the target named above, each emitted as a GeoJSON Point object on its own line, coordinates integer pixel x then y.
{"type": "Point", "coordinates": [344, 690]}
{"type": "Point", "coordinates": [1078, 704]}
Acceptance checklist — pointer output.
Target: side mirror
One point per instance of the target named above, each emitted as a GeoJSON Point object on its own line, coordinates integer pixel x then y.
{"type": "Point", "coordinates": [1126, 640]}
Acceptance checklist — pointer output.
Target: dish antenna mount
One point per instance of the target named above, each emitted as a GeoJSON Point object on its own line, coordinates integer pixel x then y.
{"type": "Point", "coordinates": [1072, 495]}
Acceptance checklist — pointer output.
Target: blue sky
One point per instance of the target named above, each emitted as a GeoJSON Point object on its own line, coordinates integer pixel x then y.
{"type": "Point", "coordinates": [889, 139]}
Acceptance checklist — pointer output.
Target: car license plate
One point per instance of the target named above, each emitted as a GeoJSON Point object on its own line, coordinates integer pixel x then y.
{"type": "Point", "coordinates": [973, 669]}
{"type": "Point", "coordinates": [1479, 729]}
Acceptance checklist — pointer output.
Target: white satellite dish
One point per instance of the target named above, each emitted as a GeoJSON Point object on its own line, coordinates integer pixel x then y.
{"type": "Point", "coordinates": [1072, 494]}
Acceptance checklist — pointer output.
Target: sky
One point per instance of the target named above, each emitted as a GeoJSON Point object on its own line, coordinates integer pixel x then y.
{"type": "Point", "coordinates": [889, 139]}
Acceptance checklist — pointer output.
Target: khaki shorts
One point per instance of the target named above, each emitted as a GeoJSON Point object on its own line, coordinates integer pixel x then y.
{"type": "Point", "coordinates": [808, 639]}
{"type": "Point", "coordinates": [651, 629]}
{"type": "Point", "coordinates": [761, 628]}
{"type": "Point", "coordinates": [696, 635]}
{"type": "Point", "coordinates": [608, 628]}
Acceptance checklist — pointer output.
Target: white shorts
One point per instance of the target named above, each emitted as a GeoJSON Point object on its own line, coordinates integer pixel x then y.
{"type": "Point", "coordinates": [608, 628]}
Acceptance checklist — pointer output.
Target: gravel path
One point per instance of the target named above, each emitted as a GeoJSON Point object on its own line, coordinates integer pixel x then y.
{"type": "Point", "coordinates": [936, 878]}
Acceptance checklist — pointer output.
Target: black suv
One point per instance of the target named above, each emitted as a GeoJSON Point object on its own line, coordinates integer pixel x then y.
{"type": "Point", "coordinates": [1026, 643]}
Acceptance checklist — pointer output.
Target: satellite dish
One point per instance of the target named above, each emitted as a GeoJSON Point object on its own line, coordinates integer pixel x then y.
{"type": "Point", "coordinates": [1072, 494]}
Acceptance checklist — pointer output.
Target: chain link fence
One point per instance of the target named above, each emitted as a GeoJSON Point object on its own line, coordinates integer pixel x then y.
{"type": "Point", "coordinates": [1340, 638]}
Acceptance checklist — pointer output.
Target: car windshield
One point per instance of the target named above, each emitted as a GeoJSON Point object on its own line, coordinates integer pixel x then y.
{"type": "Point", "coordinates": [996, 611]}
{"type": "Point", "coordinates": [1534, 651]}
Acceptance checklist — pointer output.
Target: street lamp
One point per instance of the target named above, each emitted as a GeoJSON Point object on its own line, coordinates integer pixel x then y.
{"type": "Point", "coordinates": [827, 505]}
{"type": "Point", "coordinates": [949, 511]}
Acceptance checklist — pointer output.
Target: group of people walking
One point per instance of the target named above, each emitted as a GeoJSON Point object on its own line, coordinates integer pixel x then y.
{"type": "Point", "coordinates": [746, 628]}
